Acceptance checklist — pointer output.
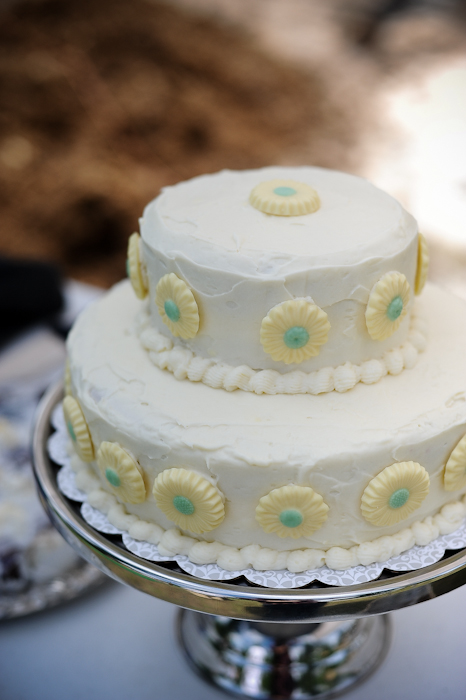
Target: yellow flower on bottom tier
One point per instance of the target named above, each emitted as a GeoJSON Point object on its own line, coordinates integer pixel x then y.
{"type": "Point", "coordinates": [387, 305]}
{"type": "Point", "coordinates": [292, 511]}
{"type": "Point", "coordinates": [177, 306]}
{"type": "Point", "coordinates": [121, 473]}
{"type": "Point", "coordinates": [189, 500]}
{"type": "Point", "coordinates": [78, 429]}
{"type": "Point", "coordinates": [455, 468]}
{"type": "Point", "coordinates": [294, 331]}
{"type": "Point", "coordinates": [395, 493]}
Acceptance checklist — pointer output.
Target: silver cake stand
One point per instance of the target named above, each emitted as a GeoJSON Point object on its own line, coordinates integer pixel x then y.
{"type": "Point", "coordinates": [313, 642]}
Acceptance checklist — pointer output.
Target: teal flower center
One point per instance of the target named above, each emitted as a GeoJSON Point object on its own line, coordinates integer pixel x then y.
{"type": "Point", "coordinates": [290, 517]}
{"type": "Point", "coordinates": [71, 431]}
{"type": "Point", "coordinates": [395, 308]}
{"type": "Point", "coordinates": [112, 477]}
{"type": "Point", "coordinates": [284, 191]}
{"type": "Point", "coordinates": [183, 505]}
{"type": "Point", "coordinates": [172, 310]}
{"type": "Point", "coordinates": [398, 498]}
{"type": "Point", "coordinates": [296, 337]}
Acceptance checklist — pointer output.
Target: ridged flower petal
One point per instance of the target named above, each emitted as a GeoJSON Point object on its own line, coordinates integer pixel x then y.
{"type": "Point", "coordinates": [189, 500]}
{"type": "Point", "coordinates": [294, 331]}
{"type": "Point", "coordinates": [121, 473]}
{"type": "Point", "coordinates": [387, 306]}
{"type": "Point", "coordinates": [422, 265]}
{"type": "Point", "coordinates": [455, 468]}
{"type": "Point", "coordinates": [395, 493]}
{"type": "Point", "coordinates": [177, 306]}
{"type": "Point", "coordinates": [291, 511]}
{"type": "Point", "coordinates": [136, 271]}
{"type": "Point", "coordinates": [284, 198]}
{"type": "Point", "coordinates": [78, 429]}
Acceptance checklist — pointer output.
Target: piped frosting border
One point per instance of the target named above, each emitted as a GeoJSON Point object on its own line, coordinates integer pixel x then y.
{"type": "Point", "coordinates": [184, 364]}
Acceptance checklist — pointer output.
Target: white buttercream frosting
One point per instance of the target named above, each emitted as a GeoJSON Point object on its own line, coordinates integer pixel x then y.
{"type": "Point", "coordinates": [246, 445]}
{"type": "Point", "coordinates": [172, 542]}
{"type": "Point", "coordinates": [239, 262]}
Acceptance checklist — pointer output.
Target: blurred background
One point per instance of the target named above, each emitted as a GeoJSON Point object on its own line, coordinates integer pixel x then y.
{"type": "Point", "coordinates": [103, 103]}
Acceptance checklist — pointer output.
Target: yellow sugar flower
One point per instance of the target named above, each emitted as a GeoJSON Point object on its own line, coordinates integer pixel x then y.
{"type": "Point", "coordinates": [387, 306]}
{"type": "Point", "coordinates": [395, 493]}
{"type": "Point", "coordinates": [78, 429]}
{"type": "Point", "coordinates": [422, 264]}
{"type": "Point", "coordinates": [292, 511]}
{"type": "Point", "coordinates": [135, 268]}
{"type": "Point", "coordinates": [284, 198]}
{"type": "Point", "coordinates": [294, 331]}
{"type": "Point", "coordinates": [177, 306]}
{"type": "Point", "coordinates": [455, 468]}
{"type": "Point", "coordinates": [189, 500]}
{"type": "Point", "coordinates": [121, 473]}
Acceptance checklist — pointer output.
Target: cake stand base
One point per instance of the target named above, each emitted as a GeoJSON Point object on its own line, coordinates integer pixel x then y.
{"type": "Point", "coordinates": [274, 661]}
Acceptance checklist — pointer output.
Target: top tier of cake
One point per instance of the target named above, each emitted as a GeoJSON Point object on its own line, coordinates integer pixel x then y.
{"type": "Point", "coordinates": [280, 292]}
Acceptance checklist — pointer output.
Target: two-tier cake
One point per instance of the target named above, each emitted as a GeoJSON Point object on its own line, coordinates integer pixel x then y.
{"type": "Point", "coordinates": [271, 389]}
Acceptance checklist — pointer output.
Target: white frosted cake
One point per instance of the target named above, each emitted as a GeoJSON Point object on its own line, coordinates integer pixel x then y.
{"type": "Point", "coordinates": [273, 387]}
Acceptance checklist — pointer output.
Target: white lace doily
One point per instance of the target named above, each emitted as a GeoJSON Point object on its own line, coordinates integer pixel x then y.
{"type": "Point", "coordinates": [415, 558]}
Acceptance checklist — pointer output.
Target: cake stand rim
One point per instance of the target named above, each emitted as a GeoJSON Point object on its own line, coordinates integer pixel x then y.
{"type": "Point", "coordinates": [238, 601]}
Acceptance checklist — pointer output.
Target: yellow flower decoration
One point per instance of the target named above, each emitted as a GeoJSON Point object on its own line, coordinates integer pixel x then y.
{"type": "Point", "coordinates": [395, 493]}
{"type": "Point", "coordinates": [455, 468]}
{"type": "Point", "coordinates": [177, 306]}
{"type": "Point", "coordinates": [134, 267]}
{"type": "Point", "coordinates": [387, 306]}
{"type": "Point", "coordinates": [284, 198]}
{"type": "Point", "coordinates": [292, 511]}
{"type": "Point", "coordinates": [189, 500]}
{"type": "Point", "coordinates": [67, 379]}
{"type": "Point", "coordinates": [294, 331]}
{"type": "Point", "coordinates": [422, 265]}
{"type": "Point", "coordinates": [78, 429]}
{"type": "Point", "coordinates": [121, 473]}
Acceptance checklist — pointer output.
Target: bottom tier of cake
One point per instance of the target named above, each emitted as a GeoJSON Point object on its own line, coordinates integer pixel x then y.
{"type": "Point", "coordinates": [270, 481]}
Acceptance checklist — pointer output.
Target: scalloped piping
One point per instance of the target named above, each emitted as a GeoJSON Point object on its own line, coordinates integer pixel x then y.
{"type": "Point", "coordinates": [184, 364]}
{"type": "Point", "coordinates": [171, 542]}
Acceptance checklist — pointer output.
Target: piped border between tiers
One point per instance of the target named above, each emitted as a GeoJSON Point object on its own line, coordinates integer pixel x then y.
{"type": "Point", "coordinates": [184, 364]}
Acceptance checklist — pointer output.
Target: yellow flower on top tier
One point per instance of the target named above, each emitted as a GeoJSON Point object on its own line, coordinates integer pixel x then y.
{"type": "Point", "coordinates": [284, 198]}
{"type": "Point", "coordinates": [177, 306]}
{"type": "Point", "coordinates": [189, 500]}
{"type": "Point", "coordinates": [395, 493]}
{"type": "Point", "coordinates": [294, 331]}
{"type": "Point", "coordinates": [387, 306]}
{"type": "Point", "coordinates": [121, 472]}
{"type": "Point", "coordinates": [422, 264]}
{"type": "Point", "coordinates": [455, 468]}
{"type": "Point", "coordinates": [78, 429]}
{"type": "Point", "coordinates": [292, 511]}
{"type": "Point", "coordinates": [134, 267]}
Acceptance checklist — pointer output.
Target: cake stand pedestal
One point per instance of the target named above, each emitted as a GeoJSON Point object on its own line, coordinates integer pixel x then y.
{"type": "Point", "coordinates": [314, 642]}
